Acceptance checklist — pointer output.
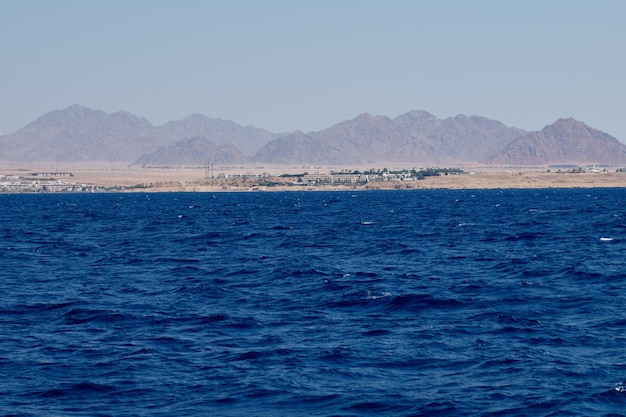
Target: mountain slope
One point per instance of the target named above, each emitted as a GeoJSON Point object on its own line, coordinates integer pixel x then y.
{"type": "Point", "coordinates": [564, 141]}
{"type": "Point", "coordinates": [248, 139]}
{"type": "Point", "coordinates": [416, 136]}
{"type": "Point", "coordinates": [196, 151]}
{"type": "Point", "coordinates": [79, 134]}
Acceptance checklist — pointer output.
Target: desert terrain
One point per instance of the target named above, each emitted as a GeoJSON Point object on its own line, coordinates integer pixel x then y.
{"type": "Point", "coordinates": [274, 179]}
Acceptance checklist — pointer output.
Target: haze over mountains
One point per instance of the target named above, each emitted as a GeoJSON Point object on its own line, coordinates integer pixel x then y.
{"type": "Point", "coordinates": [564, 141]}
{"type": "Point", "coordinates": [416, 136]}
{"type": "Point", "coordinates": [79, 134]}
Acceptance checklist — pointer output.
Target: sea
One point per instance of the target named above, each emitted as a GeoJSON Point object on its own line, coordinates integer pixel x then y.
{"type": "Point", "coordinates": [329, 303]}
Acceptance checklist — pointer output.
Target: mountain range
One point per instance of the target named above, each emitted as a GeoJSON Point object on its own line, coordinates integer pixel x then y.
{"type": "Point", "coordinates": [80, 134]}
{"type": "Point", "coordinates": [416, 136]}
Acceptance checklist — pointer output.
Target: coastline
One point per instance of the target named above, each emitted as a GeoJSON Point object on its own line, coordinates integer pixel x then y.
{"type": "Point", "coordinates": [196, 180]}
{"type": "Point", "coordinates": [475, 181]}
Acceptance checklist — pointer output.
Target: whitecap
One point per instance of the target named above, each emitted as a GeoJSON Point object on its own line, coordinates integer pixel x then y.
{"type": "Point", "coordinates": [606, 239]}
{"type": "Point", "coordinates": [370, 296]}
{"type": "Point", "coordinates": [621, 387]}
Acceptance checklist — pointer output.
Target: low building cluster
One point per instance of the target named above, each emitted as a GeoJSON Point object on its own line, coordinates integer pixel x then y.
{"type": "Point", "coordinates": [243, 176]}
{"type": "Point", "coordinates": [374, 176]}
{"type": "Point", "coordinates": [353, 178]}
{"type": "Point", "coordinates": [14, 184]}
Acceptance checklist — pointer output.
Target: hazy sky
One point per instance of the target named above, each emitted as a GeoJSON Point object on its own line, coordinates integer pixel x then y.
{"type": "Point", "coordinates": [299, 64]}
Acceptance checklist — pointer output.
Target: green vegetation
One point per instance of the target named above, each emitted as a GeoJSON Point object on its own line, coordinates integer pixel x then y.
{"type": "Point", "coordinates": [415, 173]}
{"type": "Point", "coordinates": [270, 183]}
{"type": "Point", "coordinates": [435, 172]}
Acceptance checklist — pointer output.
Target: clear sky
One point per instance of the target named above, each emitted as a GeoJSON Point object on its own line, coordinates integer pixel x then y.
{"type": "Point", "coordinates": [305, 65]}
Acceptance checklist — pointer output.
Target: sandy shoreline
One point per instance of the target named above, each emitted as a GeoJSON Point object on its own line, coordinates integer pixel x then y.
{"type": "Point", "coordinates": [195, 180]}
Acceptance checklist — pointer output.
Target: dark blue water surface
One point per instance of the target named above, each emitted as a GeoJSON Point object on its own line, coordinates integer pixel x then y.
{"type": "Point", "coordinates": [452, 303]}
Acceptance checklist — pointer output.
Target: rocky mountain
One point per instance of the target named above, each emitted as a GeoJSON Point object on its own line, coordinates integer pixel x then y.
{"type": "Point", "coordinates": [416, 136]}
{"type": "Point", "coordinates": [247, 139]}
{"type": "Point", "coordinates": [198, 151]}
{"type": "Point", "coordinates": [567, 141]}
{"type": "Point", "coordinates": [79, 134]}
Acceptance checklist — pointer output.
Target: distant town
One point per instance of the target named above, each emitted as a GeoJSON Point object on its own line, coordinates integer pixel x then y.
{"type": "Point", "coordinates": [382, 178]}
{"type": "Point", "coordinates": [32, 184]}
{"type": "Point", "coordinates": [61, 181]}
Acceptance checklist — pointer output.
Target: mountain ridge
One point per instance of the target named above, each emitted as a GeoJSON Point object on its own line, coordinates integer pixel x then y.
{"type": "Point", "coordinates": [79, 134]}
{"type": "Point", "coordinates": [568, 141]}
{"type": "Point", "coordinates": [418, 136]}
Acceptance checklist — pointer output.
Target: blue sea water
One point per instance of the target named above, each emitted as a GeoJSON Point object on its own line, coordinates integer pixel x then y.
{"type": "Point", "coordinates": [451, 303]}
